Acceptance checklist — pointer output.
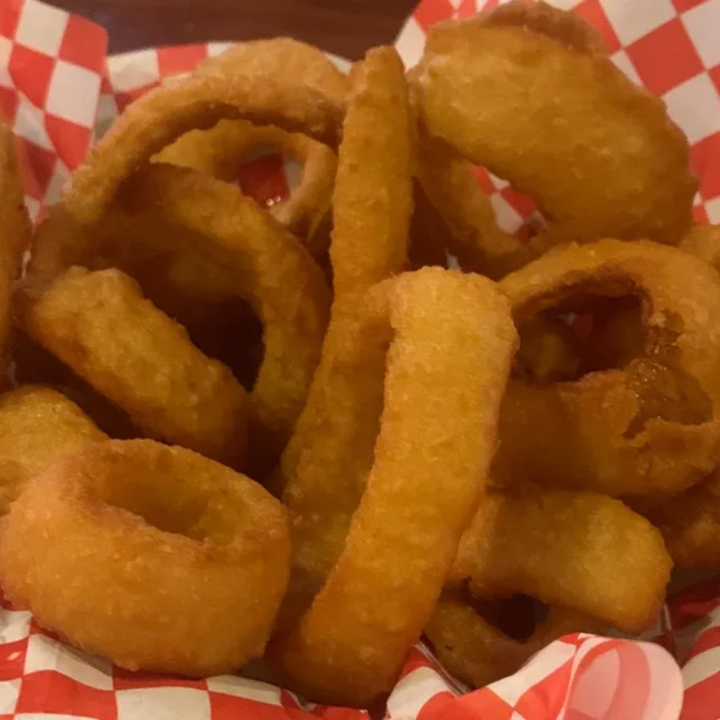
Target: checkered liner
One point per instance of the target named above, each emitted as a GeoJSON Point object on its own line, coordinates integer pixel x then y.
{"type": "Point", "coordinates": [59, 90]}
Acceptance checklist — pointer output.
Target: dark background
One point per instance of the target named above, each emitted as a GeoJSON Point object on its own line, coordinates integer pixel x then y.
{"type": "Point", "coordinates": [344, 27]}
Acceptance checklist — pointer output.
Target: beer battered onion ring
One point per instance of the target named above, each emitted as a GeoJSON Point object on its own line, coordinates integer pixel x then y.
{"type": "Point", "coordinates": [220, 152]}
{"type": "Point", "coordinates": [436, 439]}
{"type": "Point", "coordinates": [652, 426]}
{"type": "Point", "coordinates": [274, 273]}
{"type": "Point", "coordinates": [372, 213]}
{"type": "Point", "coordinates": [489, 86]}
{"type": "Point", "coordinates": [526, 542]}
{"type": "Point", "coordinates": [152, 556]}
{"type": "Point", "coordinates": [267, 84]}
{"type": "Point", "coordinates": [101, 326]}
{"type": "Point", "coordinates": [476, 652]}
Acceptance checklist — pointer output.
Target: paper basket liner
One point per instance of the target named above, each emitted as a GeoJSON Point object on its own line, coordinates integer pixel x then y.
{"type": "Point", "coordinates": [60, 90]}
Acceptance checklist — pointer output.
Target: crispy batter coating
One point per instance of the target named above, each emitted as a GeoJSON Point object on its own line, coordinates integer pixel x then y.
{"type": "Point", "coordinates": [609, 163]}
{"type": "Point", "coordinates": [274, 273]}
{"type": "Point", "coordinates": [373, 192]}
{"type": "Point", "coordinates": [363, 254]}
{"type": "Point", "coordinates": [38, 426]}
{"type": "Point", "coordinates": [100, 325]}
{"type": "Point", "coordinates": [474, 237]}
{"type": "Point", "coordinates": [268, 82]}
{"type": "Point", "coordinates": [690, 524]}
{"type": "Point", "coordinates": [578, 550]}
{"type": "Point", "coordinates": [152, 556]}
{"type": "Point", "coordinates": [477, 653]}
{"type": "Point", "coordinates": [220, 152]}
{"type": "Point", "coordinates": [435, 440]}
{"type": "Point", "coordinates": [652, 426]}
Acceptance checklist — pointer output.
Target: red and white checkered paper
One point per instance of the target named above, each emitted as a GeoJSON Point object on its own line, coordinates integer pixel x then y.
{"type": "Point", "coordinates": [59, 90]}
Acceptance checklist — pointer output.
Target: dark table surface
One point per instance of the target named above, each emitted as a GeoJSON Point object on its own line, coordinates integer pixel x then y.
{"type": "Point", "coordinates": [343, 27]}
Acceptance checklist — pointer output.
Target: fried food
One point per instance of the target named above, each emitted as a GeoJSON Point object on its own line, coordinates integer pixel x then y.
{"type": "Point", "coordinates": [428, 232]}
{"type": "Point", "coordinates": [372, 207]}
{"type": "Point", "coordinates": [473, 237]}
{"type": "Point", "coordinates": [267, 82]}
{"type": "Point", "coordinates": [690, 525]}
{"type": "Point", "coordinates": [478, 653]}
{"type": "Point", "coordinates": [578, 550]}
{"type": "Point", "coordinates": [328, 443]}
{"type": "Point", "coordinates": [32, 364]}
{"type": "Point", "coordinates": [650, 427]}
{"type": "Point", "coordinates": [15, 231]}
{"type": "Point", "coordinates": [38, 426]}
{"type": "Point", "coordinates": [610, 162]}
{"type": "Point", "coordinates": [100, 325]}
{"type": "Point", "coordinates": [703, 241]}
{"type": "Point", "coordinates": [434, 444]}
{"type": "Point", "coordinates": [274, 273]}
{"type": "Point", "coordinates": [221, 151]}
{"type": "Point", "coordinates": [152, 556]}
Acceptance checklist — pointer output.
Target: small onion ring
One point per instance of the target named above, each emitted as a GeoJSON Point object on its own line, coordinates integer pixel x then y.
{"type": "Point", "coordinates": [477, 653]}
{"type": "Point", "coordinates": [650, 427]}
{"type": "Point", "coordinates": [152, 556]}
{"type": "Point", "coordinates": [436, 439]}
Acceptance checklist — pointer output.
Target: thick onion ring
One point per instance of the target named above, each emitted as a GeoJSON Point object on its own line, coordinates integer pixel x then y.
{"type": "Point", "coordinates": [274, 273]}
{"type": "Point", "coordinates": [651, 427]}
{"type": "Point", "coordinates": [436, 439]}
{"type": "Point", "coordinates": [260, 87]}
{"type": "Point", "coordinates": [376, 134]}
{"type": "Point", "coordinates": [220, 151]}
{"type": "Point", "coordinates": [155, 557]}
{"type": "Point", "coordinates": [38, 425]}
{"type": "Point", "coordinates": [100, 325]}
{"type": "Point", "coordinates": [610, 164]}
{"type": "Point", "coordinates": [527, 542]}
{"type": "Point", "coordinates": [477, 653]}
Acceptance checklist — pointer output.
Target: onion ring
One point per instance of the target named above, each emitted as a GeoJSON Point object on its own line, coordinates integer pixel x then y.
{"type": "Point", "coordinates": [435, 442]}
{"type": "Point", "coordinates": [274, 273]}
{"type": "Point", "coordinates": [690, 525]}
{"type": "Point", "coordinates": [527, 542]}
{"type": "Point", "coordinates": [220, 151]}
{"type": "Point", "coordinates": [474, 237]}
{"type": "Point", "coordinates": [37, 426]}
{"type": "Point", "coordinates": [376, 134]}
{"type": "Point", "coordinates": [650, 427]}
{"type": "Point", "coordinates": [100, 325]}
{"type": "Point", "coordinates": [261, 87]}
{"type": "Point", "coordinates": [477, 653]}
{"type": "Point", "coordinates": [135, 524]}
{"type": "Point", "coordinates": [611, 162]}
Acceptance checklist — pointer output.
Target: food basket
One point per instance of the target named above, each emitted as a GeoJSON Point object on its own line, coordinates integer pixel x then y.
{"type": "Point", "coordinates": [60, 90]}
